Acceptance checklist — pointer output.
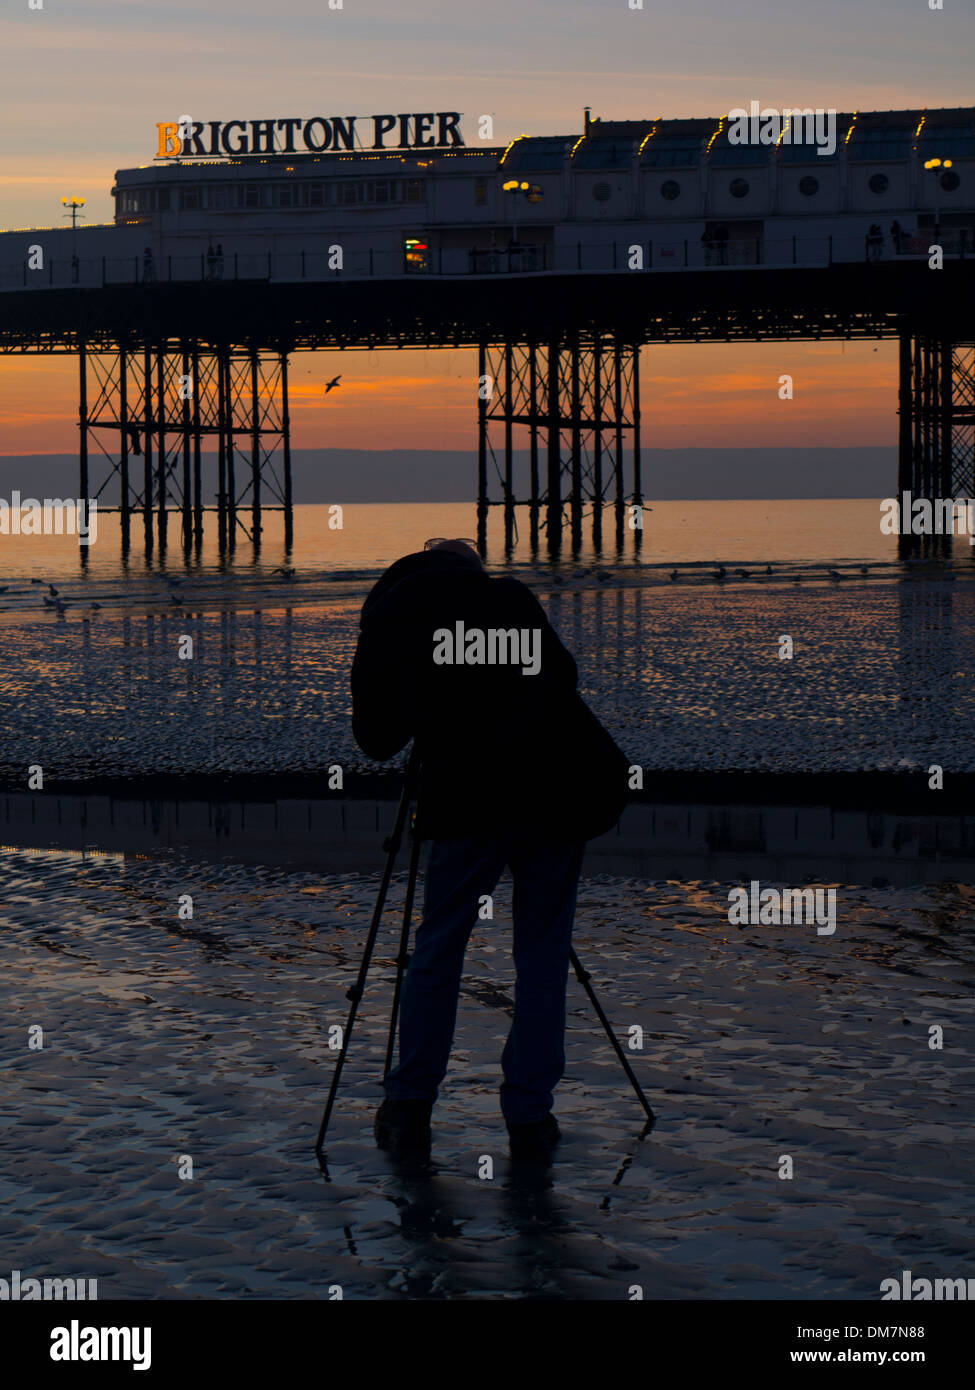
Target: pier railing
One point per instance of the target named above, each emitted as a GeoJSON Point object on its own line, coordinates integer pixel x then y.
{"type": "Point", "coordinates": [331, 261]}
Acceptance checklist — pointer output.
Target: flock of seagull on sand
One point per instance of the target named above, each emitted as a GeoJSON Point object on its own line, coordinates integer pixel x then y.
{"type": "Point", "coordinates": [55, 601]}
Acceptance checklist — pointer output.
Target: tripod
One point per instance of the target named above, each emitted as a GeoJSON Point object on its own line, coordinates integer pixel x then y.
{"type": "Point", "coordinates": [355, 992]}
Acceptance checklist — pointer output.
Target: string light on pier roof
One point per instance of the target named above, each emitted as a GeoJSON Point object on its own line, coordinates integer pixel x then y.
{"type": "Point", "coordinates": [716, 134]}
{"type": "Point", "coordinates": [511, 147]}
{"type": "Point", "coordinates": [647, 138]}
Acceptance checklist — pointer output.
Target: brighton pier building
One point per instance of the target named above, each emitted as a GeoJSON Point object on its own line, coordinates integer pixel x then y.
{"type": "Point", "coordinates": [686, 192]}
{"type": "Point", "coordinates": [485, 241]}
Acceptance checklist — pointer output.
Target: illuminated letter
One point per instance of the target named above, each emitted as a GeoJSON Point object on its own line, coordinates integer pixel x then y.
{"type": "Point", "coordinates": [169, 141]}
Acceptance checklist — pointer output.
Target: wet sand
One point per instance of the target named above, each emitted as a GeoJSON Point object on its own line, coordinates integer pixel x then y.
{"type": "Point", "coordinates": [687, 678]}
{"type": "Point", "coordinates": [208, 1038]}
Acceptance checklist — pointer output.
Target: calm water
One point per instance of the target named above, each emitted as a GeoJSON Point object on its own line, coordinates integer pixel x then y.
{"type": "Point", "coordinates": [685, 671]}
{"type": "Point", "coordinates": [812, 535]}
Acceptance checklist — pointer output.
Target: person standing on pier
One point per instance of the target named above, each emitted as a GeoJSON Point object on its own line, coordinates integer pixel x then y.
{"type": "Point", "coordinates": [514, 771]}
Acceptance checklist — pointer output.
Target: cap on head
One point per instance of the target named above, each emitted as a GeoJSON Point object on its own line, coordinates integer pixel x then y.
{"type": "Point", "coordinates": [458, 547]}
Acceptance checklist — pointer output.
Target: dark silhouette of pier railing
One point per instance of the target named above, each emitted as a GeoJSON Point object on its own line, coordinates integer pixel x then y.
{"type": "Point", "coordinates": [624, 256]}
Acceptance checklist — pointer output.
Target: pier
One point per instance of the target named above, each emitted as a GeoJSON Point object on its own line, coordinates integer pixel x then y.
{"type": "Point", "coordinates": [557, 261]}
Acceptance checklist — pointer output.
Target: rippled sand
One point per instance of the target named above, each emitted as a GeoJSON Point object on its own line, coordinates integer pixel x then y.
{"type": "Point", "coordinates": [687, 677]}
{"type": "Point", "coordinates": [208, 1038]}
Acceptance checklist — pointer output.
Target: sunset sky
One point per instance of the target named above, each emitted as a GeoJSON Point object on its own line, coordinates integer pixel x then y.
{"type": "Point", "coordinates": [84, 85]}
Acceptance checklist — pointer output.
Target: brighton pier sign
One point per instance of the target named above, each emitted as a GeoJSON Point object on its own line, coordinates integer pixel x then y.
{"type": "Point", "coordinates": [420, 130]}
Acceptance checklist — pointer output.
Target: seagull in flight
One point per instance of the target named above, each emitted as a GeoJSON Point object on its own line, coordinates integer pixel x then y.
{"type": "Point", "coordinates": [330, 385]}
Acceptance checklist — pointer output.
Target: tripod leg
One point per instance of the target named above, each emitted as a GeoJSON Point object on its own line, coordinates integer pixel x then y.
{"type": "Point", "coordinates": [403, 958]}
{"type": "Point", "coordinates": [355, 992]}
{"type": "Point", "coordinates": [584, 978]}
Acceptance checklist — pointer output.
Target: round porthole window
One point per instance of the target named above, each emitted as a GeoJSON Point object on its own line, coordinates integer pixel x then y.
{"type": "Point", "coordinates": [670, 189]}
{"type": "Point", "coordinates": [808, 186]}
{"type": "Point", "coordinates": [879, 183]}
{"type": "Point", "coordinates": [738, 188]}
{"type": "Point", "coordinates": [949, 181]}
{"type": "Point", "coordinates": [602, 192]}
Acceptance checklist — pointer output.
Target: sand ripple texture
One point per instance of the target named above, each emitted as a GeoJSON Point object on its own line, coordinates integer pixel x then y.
{"type": "Point", "coordinates": [686, 678]}
{"type": "Point", "coordinates": [208, 1039]}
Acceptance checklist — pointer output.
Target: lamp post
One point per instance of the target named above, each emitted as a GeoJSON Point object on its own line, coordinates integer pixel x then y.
{"type": "Point", "coordinates": [936, 164]}
{"type": "Point", "coordinates": [74, 204]}
{"type": "Point", "coordinates": [531, 191]}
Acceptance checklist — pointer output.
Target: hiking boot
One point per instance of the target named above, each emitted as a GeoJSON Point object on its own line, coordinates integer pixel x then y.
{"type": "Point", "coordinates": [403, 1126]}
{"type": "Point", "coordinates": [534, 1143]}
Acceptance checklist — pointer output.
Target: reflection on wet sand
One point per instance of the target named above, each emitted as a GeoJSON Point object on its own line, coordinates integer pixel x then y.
{"type": "Point", "coordinates": [208, 1038]}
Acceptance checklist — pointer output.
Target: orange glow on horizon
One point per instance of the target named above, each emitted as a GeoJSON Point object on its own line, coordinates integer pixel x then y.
{"type": "Point", "coordinates": [692, 396]}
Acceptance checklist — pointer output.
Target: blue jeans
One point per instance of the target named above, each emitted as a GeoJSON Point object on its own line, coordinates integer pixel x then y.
{"type": "Point", "coordinates": [460, 872]}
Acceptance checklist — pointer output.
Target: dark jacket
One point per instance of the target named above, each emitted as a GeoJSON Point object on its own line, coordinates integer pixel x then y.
{"type": "Point", "coordinates": [499, 750]}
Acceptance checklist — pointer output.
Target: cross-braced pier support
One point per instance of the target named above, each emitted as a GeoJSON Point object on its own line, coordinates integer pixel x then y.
{"type": "Point", "coordinates": [157, 418]}
{"type": "Point", "coordinates": [577, 406]}
{"type": "Point", "coordinates": [937, 417]}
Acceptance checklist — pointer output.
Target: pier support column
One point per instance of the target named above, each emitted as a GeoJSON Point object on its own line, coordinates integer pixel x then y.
{"type": "Point", "coordinates": [289, 519]}
{"type": "Point", "coordinates": [576, 498]}
{"type": "Point", "coordinates": [584, 396]}
{"type": "Point", "coordinates": [936, 436]}
{"type": "Point", "coordinates": [148, 425]}
{"type": "Point", "coordinates": [197, 387]}
{"type": "Point", "coordinates": [509, 467]}
{"type": "Point", "coordinates": [83, 422]}
{"type": "Point", "coordinates": [553, 511]}
{"type": "Point", "coordinates": [179, 404]}
{"type": "Point", "coordinates": [161, 460]}
{"type": "Point", "coordinates": [221, 418]}
{"type": "Point", "coordinates": [936, 456]}
{"type": "Point", "coordinates": [597, 445]}
{"type": "Point", "coordinates": [187, 387]}
{"type": "Point", "coordinates": [533, 421]}
{"type": "Point", "coordinates": [482, 447]}
{"type": "Point", "coordinates": [125, 439]}
{"type": "Point", "coordinates": [228, 425]}
{"type": "Point", "coordinates": [255, 451]}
